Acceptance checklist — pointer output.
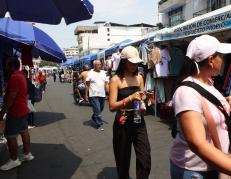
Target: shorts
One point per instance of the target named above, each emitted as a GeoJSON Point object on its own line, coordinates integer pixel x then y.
{"type": "Point", "coordinates": [81, 87]}
{"type": "Point", "coordinates": [14, 126]}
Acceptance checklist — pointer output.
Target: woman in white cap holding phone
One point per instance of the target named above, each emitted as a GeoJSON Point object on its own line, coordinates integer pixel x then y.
{"type": "Point", "coordinates": [202, 142]}
{"type": "Point", "coordinates": [126, 89]}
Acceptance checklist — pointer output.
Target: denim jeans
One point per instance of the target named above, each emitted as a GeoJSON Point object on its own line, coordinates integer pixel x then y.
{"type": "Point", "coordinates": [181, 173]}
{"type": "Point", "coordinates": [97, 106]}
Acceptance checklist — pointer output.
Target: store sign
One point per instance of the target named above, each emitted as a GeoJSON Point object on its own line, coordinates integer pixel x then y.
{"type": "Point", "coordinates": [214, 23]}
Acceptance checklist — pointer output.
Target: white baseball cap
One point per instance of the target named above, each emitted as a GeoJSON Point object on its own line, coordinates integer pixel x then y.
{"type": "Point", "coordinates": [130, 53]}
{"type": "Point", "coordinates": [204, 46]}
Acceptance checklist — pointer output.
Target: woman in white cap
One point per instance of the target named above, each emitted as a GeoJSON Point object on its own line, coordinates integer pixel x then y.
{"type": "Point", "coordinates": [201, 146]}
{"type": "Point", "coordinates": [126, 88]}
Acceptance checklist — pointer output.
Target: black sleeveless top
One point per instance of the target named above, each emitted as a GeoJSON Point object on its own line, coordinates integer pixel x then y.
{"type": "Point", "coordinates": [125, 92]}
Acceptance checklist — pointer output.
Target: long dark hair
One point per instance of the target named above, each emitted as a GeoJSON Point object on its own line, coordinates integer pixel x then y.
{"type": "Point", "coordinates": [188, 69]}
{"type": "Point", "coordinates": [121, 69]}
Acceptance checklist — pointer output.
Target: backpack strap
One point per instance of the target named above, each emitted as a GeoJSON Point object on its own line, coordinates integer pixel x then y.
{"type": "Point", "coordinates": [209, 96]}
{"type": "Point", "coordinates": [209, 118]}
{"type": "Point", "coordinates": [211, 124]}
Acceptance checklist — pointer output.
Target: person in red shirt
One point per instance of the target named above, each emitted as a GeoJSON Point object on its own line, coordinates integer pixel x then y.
{"type": "Point", "coordinates": [16, 110]}
{"type": "Point", "coordinates": [42, 81]}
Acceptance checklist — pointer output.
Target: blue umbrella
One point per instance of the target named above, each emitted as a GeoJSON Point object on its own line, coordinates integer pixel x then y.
{"type": "Point", "coordinates": [47, 11]}
{"type": "Point", "coordinates": [18, 33]}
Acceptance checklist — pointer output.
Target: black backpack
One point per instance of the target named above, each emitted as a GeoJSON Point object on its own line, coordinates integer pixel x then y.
{"type": "Point", "coordinates": [209, 97]}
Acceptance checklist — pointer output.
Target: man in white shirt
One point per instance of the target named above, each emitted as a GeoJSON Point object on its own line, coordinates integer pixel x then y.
{"type": "Point", "coordinates": [97, 85]}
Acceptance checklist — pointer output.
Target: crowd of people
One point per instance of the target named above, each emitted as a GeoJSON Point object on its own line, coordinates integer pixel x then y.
{"type": "Point", "coordinates": [201, 147]}
{"type": "Point", "coordinates": [24, 87]}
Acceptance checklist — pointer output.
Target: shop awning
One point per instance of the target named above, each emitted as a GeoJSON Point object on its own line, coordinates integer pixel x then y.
{"type": "Point", "coordinates": [68, 62]}
{"type": "Point", "coordinates": [215, 21]}
{"type": "Point", "coordinates": [111, 50]}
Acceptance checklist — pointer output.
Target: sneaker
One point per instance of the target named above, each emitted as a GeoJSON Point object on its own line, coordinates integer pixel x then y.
{"type": "Point", "coordinates": [27, 157]}
{"type": "Point", "coordinates": [81, 100]}
{"type": "Point", "coordinates": [100, 128]}
{"type": "Point", "coordinates": [10, 164]}
{"type": "Point", "coordinates": [31, 127]}
{"type": "Point", "coordinates": [3, 140]}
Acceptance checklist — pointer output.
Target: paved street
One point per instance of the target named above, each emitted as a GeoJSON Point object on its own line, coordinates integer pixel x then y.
{"type": "Point", "coordinates": [66, 144]}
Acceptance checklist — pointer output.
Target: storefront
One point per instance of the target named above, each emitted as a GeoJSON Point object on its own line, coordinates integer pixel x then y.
{"type": "Point", "coordinates": [176, 40]}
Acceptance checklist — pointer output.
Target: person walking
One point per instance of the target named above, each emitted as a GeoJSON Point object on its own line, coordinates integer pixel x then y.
{"type": "Point", "coordinates": [41, 81]}
{"type": "Point", "coordinates": [31, 95]}
{"type": "Point", "coordinates": [195, 152]}
{"type": "Point", "coordinates": [54, 75]}
{"type": "Point", "coordinates": [82, 82]}
{"type": "Point", "coordinates": [97, 85]}
{"type": "Point", "coordinates": [15, 107]}
{"type": "Point", "coordinates": [126, 91]}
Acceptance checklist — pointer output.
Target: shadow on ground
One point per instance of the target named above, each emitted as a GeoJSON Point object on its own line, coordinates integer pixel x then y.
{"type": "Point", "coordinates": [51, 161]}
{"type": "Point", "coordinates": [43, 118]}
{"type": "Point", "coordinates": [91, 123]}
{"type": "Point", "coordinates": [108, 173]}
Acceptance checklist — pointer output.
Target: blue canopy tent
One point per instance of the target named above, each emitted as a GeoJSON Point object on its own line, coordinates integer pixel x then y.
{"type": "Point", "coordinates": [76, 62]}
{"type": "Point", "coordinates": [88, 58]}
{"type": "Point", "coordinates": [18, 33]}
{"type": "Point", "coordinates": [68, 62]}
{"type": "Point", "coordinates": [113, 49]}
{"type": "Point", "coordinates": [133, 43]}
{"type": "Point", "coordinates": [47, 11]}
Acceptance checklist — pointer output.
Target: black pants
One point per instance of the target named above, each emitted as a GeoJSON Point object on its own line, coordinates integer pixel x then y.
{"type": "Point", "coordinates": [31, 117]}
{"type": "Point", "coordinates": [123, 138]}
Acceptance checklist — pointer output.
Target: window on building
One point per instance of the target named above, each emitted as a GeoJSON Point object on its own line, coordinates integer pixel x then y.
{"type": "Point", "coordinates": [108, 39]}
{"type": "Point", "coordinates": [176, 17]}
{"type": "Point", "coordinates": [216, 4]}
{"type": "Point", "coordinates": [108, 29]}
{"type": "Point", "coordinates": [108, 34]}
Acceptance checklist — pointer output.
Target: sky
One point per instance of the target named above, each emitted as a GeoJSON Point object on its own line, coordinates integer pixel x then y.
{"type": "Point", "coordinates": [117, 11]}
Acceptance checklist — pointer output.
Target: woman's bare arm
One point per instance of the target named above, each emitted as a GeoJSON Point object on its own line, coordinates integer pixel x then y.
{"type": "Point", "coordinates": [194, 132]}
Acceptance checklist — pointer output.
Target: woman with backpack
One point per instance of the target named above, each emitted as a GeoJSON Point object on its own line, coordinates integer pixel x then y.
{"type": "Point", "coordinates": [202, 142]}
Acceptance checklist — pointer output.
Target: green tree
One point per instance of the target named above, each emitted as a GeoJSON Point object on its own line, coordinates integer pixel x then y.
{"type": "Point", "coordinates": [46, 63]}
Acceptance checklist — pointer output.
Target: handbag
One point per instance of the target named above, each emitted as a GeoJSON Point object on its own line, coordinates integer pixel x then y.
{"type": "Point", "coordinates": [30, 106]}
{"type": "Point", "coordinates": [37, 95]}
{"type": "Point", "coordinates": [2, 126]}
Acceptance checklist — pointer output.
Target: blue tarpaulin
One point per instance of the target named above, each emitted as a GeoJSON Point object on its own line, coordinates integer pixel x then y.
{"type": "Point", "coordinates": [88, 58]}
{"type": "Point", "coordinates": [114, 48]}
{"type": "Point", "coordinates": [47, 11]}
{"type": "Point", "coordinates": [68, 62]}
{"type": "Point", "coordinates": [17, 33]}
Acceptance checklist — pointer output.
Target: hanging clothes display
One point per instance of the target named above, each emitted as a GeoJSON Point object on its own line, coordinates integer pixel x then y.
{"type": "Point", "coordinates": [227, 78]}
{"type": "Point", "coordinates": [154, 57]}
{"type": "Point", "coordinates": [162, 69]}
{"type": "Point", "coordinates": [177, 60]}
{"type": "Point", "coordinates": [143, 51]}
{"type": "Point", "coordinates": [160, 91]}
{"type": "Point", "coordinates": [115, 59]}
{"type": "Point", "coordinates": [149, 83]}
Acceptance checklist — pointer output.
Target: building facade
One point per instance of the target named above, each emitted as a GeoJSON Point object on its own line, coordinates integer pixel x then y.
{"type": "Point", "coordinates": [71, 52]}
{"type": "Point", "coordinates": [174, 12]}
{"type": "Point", "coordinates": [105, 34]}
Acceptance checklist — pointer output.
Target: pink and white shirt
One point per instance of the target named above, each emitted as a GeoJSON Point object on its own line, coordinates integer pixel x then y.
{"type": "Point", "coordinates": [186, 98]}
